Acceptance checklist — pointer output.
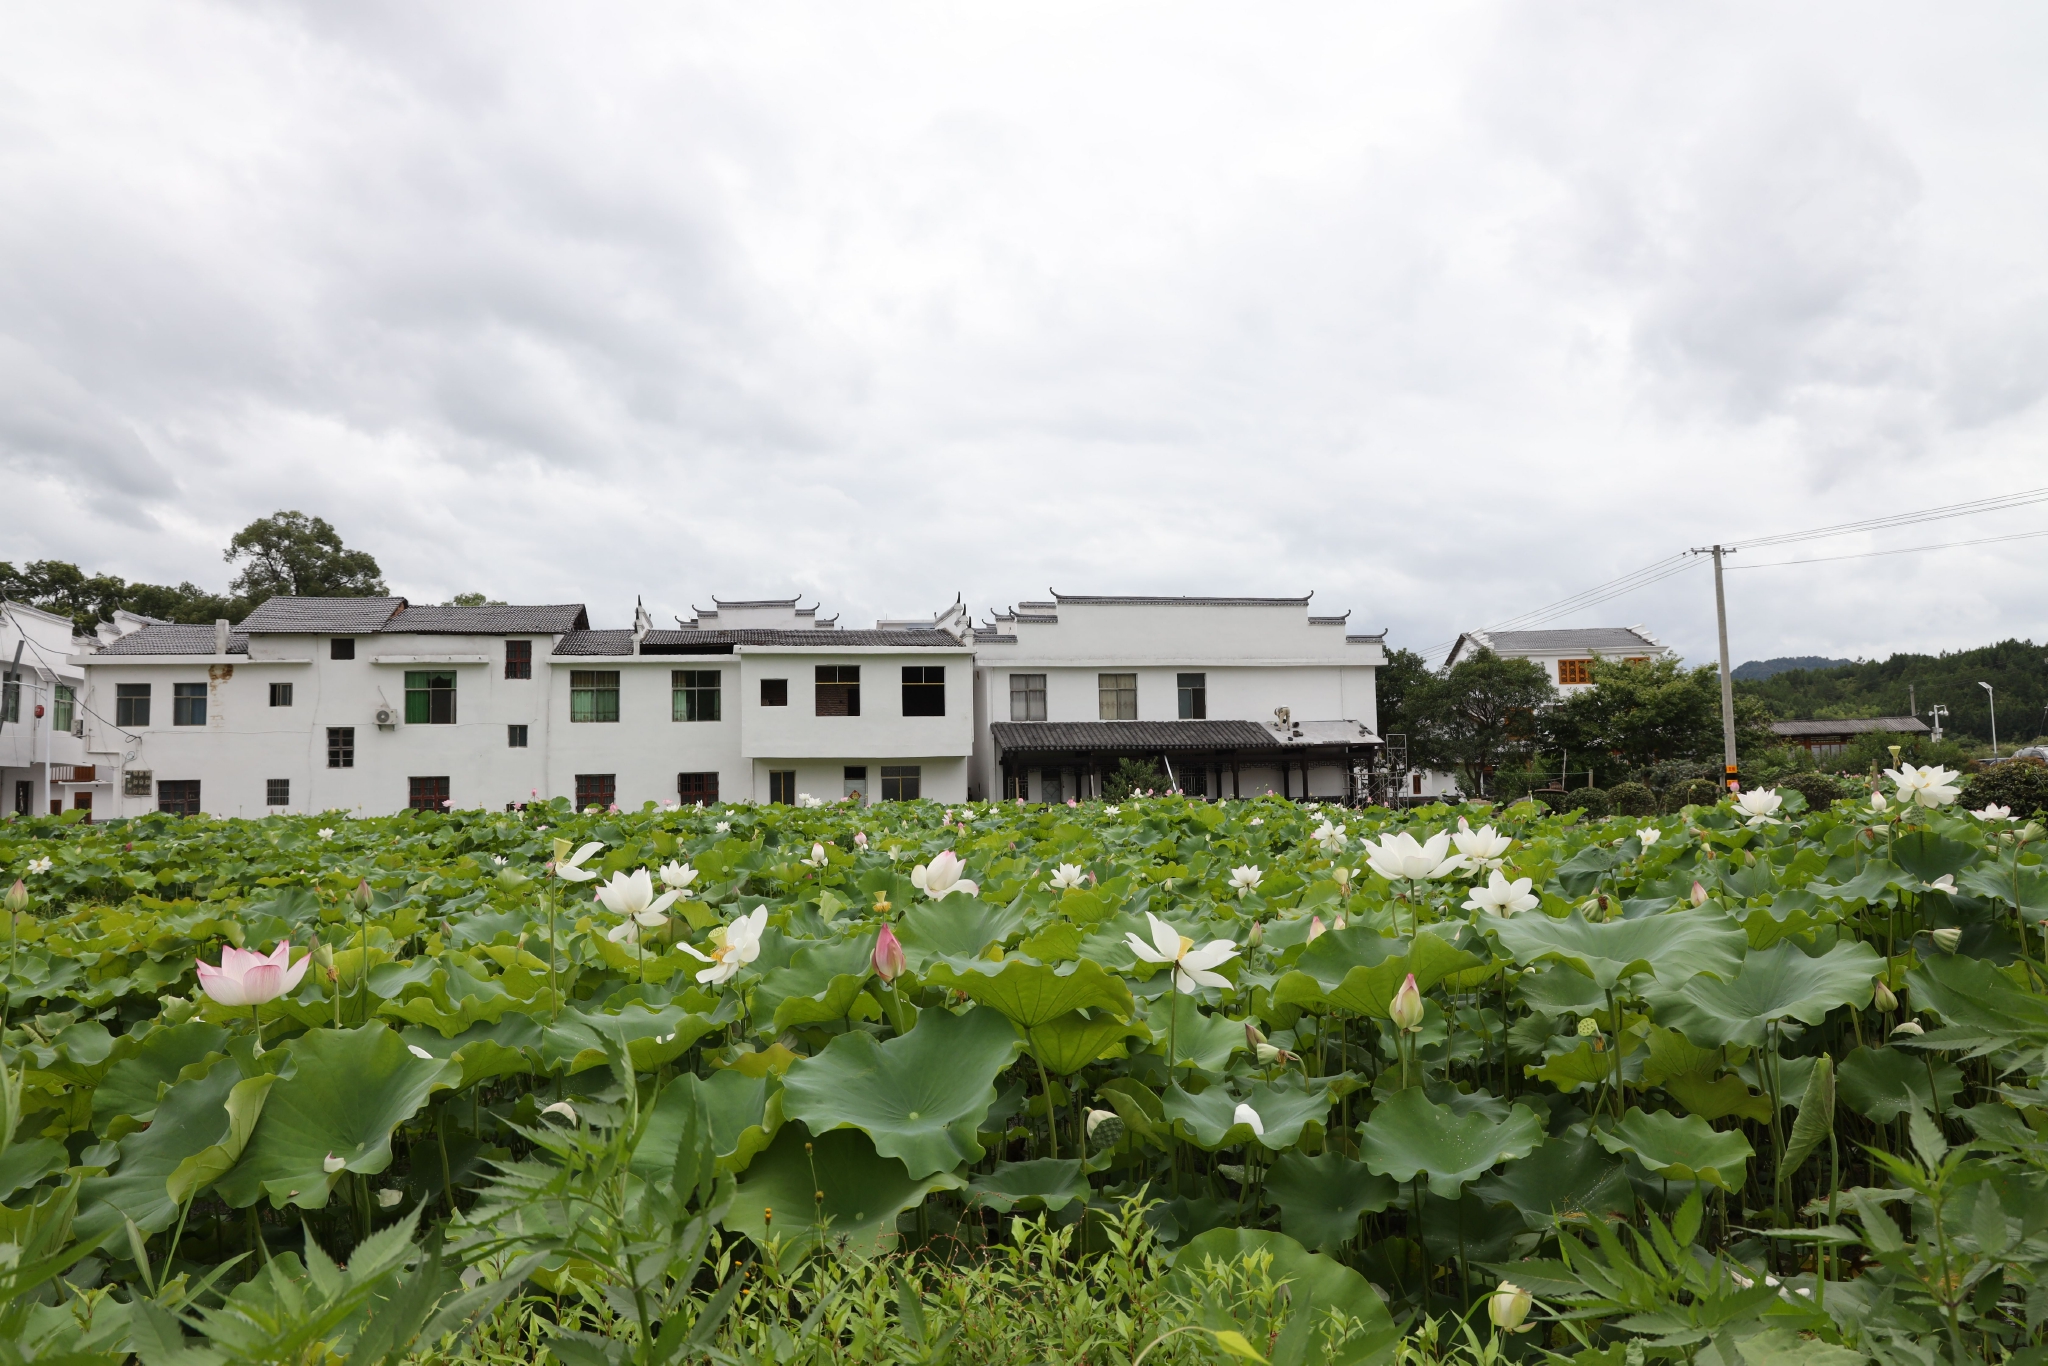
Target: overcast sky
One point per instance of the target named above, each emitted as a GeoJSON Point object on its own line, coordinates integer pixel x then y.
{"type": "Point", "coordinates": [1442, 311]}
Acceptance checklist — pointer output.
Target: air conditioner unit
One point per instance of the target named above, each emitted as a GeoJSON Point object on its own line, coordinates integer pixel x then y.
{"type": "Point", "coordinates": [387, 716]}
{"type": "Point", "coordinates": [78, 729]}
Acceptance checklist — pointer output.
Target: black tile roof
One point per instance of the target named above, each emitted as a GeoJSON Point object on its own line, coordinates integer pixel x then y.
{"type": "Point", "coordinates": [1132, 735]}
{"type": "Point", "coordinates": [1162, 601]}
{"type": "Point", "coordinates": [320, 616]}
{"type": "Point", "coordinates": [169, 639]}
{"type": "Point", "coordinates": [721, 642]}
{"type": "Point", "coordinates": [1857, 725]}
{"type": "Point", "coordinates": [498, 619]}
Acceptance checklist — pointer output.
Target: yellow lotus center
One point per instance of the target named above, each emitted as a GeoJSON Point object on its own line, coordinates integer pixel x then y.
{"type": "Point", "coordinates": [1185, 944]}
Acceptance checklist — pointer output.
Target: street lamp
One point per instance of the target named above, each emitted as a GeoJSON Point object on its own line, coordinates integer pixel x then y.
{"type": "Point", "coordinates": [1993, 696]}
{"type": "Point", "coordinates": [1936, 712]}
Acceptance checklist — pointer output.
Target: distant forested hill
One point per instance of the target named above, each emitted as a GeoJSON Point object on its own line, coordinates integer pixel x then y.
{"type": "Point", "coordinates": [1756, 670]}
{"type": "Point", "coordinates": [2018, 669]}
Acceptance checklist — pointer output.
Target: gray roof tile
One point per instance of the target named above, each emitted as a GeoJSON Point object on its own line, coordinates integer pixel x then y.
{"type": "Point", "coordinates": [171, 639]}
{"type": "Point", "coordinates": [320, 616]}
{"type": "Point", "coordinates": [498, 619]}
{"type": "Point", "coordinates": [1132, 735]}
{"type": "Point", "coordinates": [617, 642]}
{"type": "Point", "coordinates": [1583, 638]}
{"type": "Point", "coordinates": [1858, 725]}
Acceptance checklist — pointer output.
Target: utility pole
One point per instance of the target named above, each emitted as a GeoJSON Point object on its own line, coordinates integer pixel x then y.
{"type": "Point", "coordinates": [1993, 696]}
{"type": "Point", "coordinates": [1734, 778]}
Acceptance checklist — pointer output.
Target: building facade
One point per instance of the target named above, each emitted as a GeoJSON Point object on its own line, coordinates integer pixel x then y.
{"type": "Point", "coordinates": [373, 705]}
{"type": "Point", "coordinates": [43, 764]}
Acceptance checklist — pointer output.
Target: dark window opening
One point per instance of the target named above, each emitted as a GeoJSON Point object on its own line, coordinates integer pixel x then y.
{"type": "Point", "coordinates": [178, 797]}
{"type": "Point", "coordinates": [774, 692]}
{"type": "Point", "coordinates": [855, 782]}
{"type": "Point", "coordinates": [277, 791]}
{"type": "Point", "coordinates": [782, 786]}
{"type": "Point", "coordinates": [838, 690]}
{"type": "Point", "coordinates": [341, 647]}
{"type": "Point", "coordinates": [280, 694]}
{"type": "Point", "coordinates": [900, 782]}
{"type": "Point", "coordinates": [427, 794]}
{"type": "Point", "coordinates": [694, 694]}
{"type": "Point", "coordinates": [429, 698]}
{"type": "Point", "coordinates": [518, 659]}
{"type": "Point", "coordinates": [341, 746]}
{"type": "Point", "coordinates": [131, 704]}
{"type": "Point", "coordinates": [697, 789]}
{"type": "Point", "coordinates": [1194, 697]}
{"type": "Point", "coordinates": [594, 695]}
{"type": "Point", "coordinates": [10, 696]}
{"type": "Point", "coordinates": [596, 789]}
{"type": "Point", "coordinates": [924, 690]}
{"type": "Point", "coordinates": [515, 737]}
{"type": "Point", "coordinates": [188, 704]}
{"type": "Point", "coordinates": [1017, 787]}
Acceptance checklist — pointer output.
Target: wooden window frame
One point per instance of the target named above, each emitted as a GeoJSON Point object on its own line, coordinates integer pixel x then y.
{"type": "Point", "coordinates": [1573, 673]}
{"type": "Point", "coordinates": [924, 690]}
{"type": "Point", "coordinates": [1111, 694]}
{"type": "Point", "coordinates": [63, 707]}
{"type": "Point", "coordinates": [131, 705]}
{"type": "Point", "coordinates": [519, 659]}
{"type": "Point", "coordinates": [596, 699]}
{"type": "Point", "coordinates": [600, 790]}
{"type": "Point", "coordinates": [896, 778]}
{"type": "Point", "coordinates": [178, 797]}
{"type": "Point", "coordinates": [1026, 698]}
{"type": "Point", "coordinates": [277, 791]}
{"type": "Point", "coordinates": [188, 704]}
{"type": "Point", "coordinates": [697, 789]}
{"type": "Point", "coordinates": [692, 699]}
{"type": "Point", "coordinates": [428, 702]}
{"type": "Point", "coordinates": [428, 793]}
{"type": "Point", "coordinates": [1193, 693]}
{"type": "Point", "coordinates": [837, 689]}
{"type": "Point", "coordinates": [782, 786]}
{"type": "Point", "coordinates": [341, 746]}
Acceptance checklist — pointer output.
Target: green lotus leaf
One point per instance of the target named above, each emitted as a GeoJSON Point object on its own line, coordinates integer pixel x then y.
{"type": "Point", "coordinates": [1138, 1106]}
{"type": "Point", "coordinates": [1713, 1098]}
{"type": "Point", "coordinates": [1316, 1285]}
{"type": "Point", "coordinates": [345, 1092]}
{"type": "Point", "coordinates": [1871, 883]}
{"type": "Point", "coordinates": [1983, 1007]}
{"type": "Point", "coordinates": [1884, 1083]}
{"type": "Point", "coordinates": [1566, 1178]}
{"type": "Point", "coordinates": [509, 1048]}
{"type": "Point", "coordinates": [1069, 1043]}
{"type": "Point", "coordinates": [920, 1097]}
{"type": "Point", "coordinates": [863, 1192]}
{"type": "Point", "coordinates": [1322, 1198]}
{"type": "Point", "coordinates": [1199, 1040]}
{"type": "Point", "coordinates": [818, 986]}
{"type": "Point", "coordinates": [452, 1000]}
{"type": "Point", "coordinates": [1559, 990]}
{"type": "Point", "coordinates": [1368, 989]}
{"type": "Point", "coordinates": [1031, 994]}
{"type": "Point", "coordinates": [1284, 1108]}
{"type": "Point", "coordinates": [1049, 1183]}
{"type": "Point", "coordinates": [745, 1113]}
{"type": "Point", "coordinates": [1929, 856]}
{"type": "Point", "coordinates": [954, 927]}
{"type": "Point", "coordinates": [1407, 1135]}
{"type": "Point", "coordinates": [1778, 983]}
{"type": "Point", "coordinates": [24, 1164]}
{"type": "Point", "coordinates": [652, 1036]}
{"type": "Point", "coordinates": [191, 1118]}
{"type": "Point", "coordinates": [1674, 947]}
{"type": "Point", "coordinates": [132, 1085]}
{"type": "Point", "coordinates": [1687, 1149]}
{"type": "Point", "coordinates": [2025, 889]}
{"type": "Point", "coordinates": [1584, 1066]}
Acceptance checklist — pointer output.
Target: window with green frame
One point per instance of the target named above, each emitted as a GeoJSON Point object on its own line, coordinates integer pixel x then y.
{"type": "Point", "coordinates": [594, 695]}
{"type": "Point", "coordinates": [695, 693]}
{"type": "Point", "coordinates": [429, 698]}
{"type": "Point", "coordinates": [63, 709]}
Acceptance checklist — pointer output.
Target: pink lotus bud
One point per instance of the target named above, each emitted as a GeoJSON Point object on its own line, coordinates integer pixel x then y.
{"type": "Point", "coordinates": [1699, 895]}
{"type": "Point", "coordinates": [1406, 1009]}
{"type": "Point", "coordinates": [888, 955]}
{"type": "Point", "coordinates": [1315, 928]}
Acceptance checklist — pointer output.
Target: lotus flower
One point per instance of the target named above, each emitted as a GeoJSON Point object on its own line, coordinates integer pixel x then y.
{"type": "Point", "coordinates": [1699, 895]}
{"type": "Point", "coordinates": [419, 1052]}
{"type": "Point", "coordinates": [1245, 1114]}
{"type": "Point", "coordinates": [1759, 805]}
{"type": "Point", "coordinates": [39, 865]}
{"type": "Point", "coordinates": [1330, 837]}
{"type": "Point", "coordinates": [1482, 848]}
{"type": "Point", "coordinates": [1648, 836]}
{"type": "Point", "coordinates": [1508, 1306]}
{"type": "Point", "coordinates": [631, 895]}
{"type": "Point", "coordinates": [1191, 965]}
{"type": "Point", "coordinates": [562, 1108]}
{"type": "Point", "coordinates": [722, 827]}
{"type": "Point", "coordinates": [1342, 877]}
{"type": "Point", "coordinates": [1878, 803]}
{"type": "Point", "coordinates": [332, 1164]}
{"type": "Point", "coordinates": [1069, 877]}
{"type": "Point", "coordinates": [16, 900]}
{"type": "Point", "coordinates": [1502, 897]}
{"type": "Point", "coordinates": [1406, 1008]}
{"type": "Point", "coordinates": [941, 878]}
{"type": "Point", "coordinates": [1909, 1027]}
{"type": "Point", "coordinates": [678, 877]}
{"type": "Point", "coordinates": [817, 858]}
{"type": "Point", "coordinates": [326, 832]}
{"type": "Point", "coordinates": [1246, 880]}
{"type": "Point", "coordinates": [860, 838]}
{"type": "Point", "coordinates": [250, 979]}
{"type": "Point", "coordinates": [888, 956]}
{"type": "Point", "coordinates": [1993, 812]}
{"type": "Point", "coordinates": [389, 1196]}
{"type": "Point", "coordinates": [733, 947]}
{"type": "Point", "coordinates": [570, 868]}
{"type": "Point", "coordinates": [1112, 811]}
{"type": "Point", "coordinates": [1399, 856]}
{"type": "Point", "coordinates": [1929, 785]}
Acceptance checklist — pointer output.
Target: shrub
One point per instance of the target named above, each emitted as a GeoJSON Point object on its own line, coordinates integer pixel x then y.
{"type": "Point", "coordinates": [2021, 784]}
{"type": "Point", "coordinates": [1693, 792]}
{"type": "Point", "coordinates": [1591, 800]}
{"type": "Point", "coordinates": [1820, 790]}
{"type": "Point", "coordinates": [1632, 799]}
{"type": "Point", "coordinates": [1133, 775]}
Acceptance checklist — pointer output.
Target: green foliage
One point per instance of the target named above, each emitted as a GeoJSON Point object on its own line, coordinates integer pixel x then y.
{"type": "Point", "coordinates": [2018, 669]}
{"type": "Point", "coordinates": [1649, 711]}
{"type": "Point", "coordinates": [291, 553]}
{"type": "Point", "coordinates": [1475, 715]}
{"type": "Point", "coordinates": [1632, 799]}
{"type": "Point", "coordinates": [2020, 785]}
{"type": "Point", "coordinates": [1133, 776]}
{"type": "Point", "coordinates": [1820, 790]}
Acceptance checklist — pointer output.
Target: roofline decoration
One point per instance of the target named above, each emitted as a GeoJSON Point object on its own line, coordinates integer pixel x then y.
{"type": "Point", "coordinates": [1167, 601]}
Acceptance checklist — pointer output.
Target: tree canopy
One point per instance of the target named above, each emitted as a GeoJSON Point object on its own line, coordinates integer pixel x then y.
{"type": "Point", "coordinates": [289, 553]}
{"type": "Point", "coordinates": [1649, 711]}
{"type": "Point", "coordinates": [2018, 669]}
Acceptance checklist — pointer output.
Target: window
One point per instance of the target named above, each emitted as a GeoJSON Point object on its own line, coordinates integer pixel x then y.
{"type": "Point", "coordinates": [899, 782]}
{"type": "Point", "coordinates": [839, 690]}
{"type": "Point", "coordinates": [341, 746]}
{"type": "Point", "coordinates": [63, 707]}
{"type": "Point", "coordinates": [1574, 671]}
{"type": "Point", "coordinates": [594, 695]}
{"type": "Point", "coordinates": [427, 794]}
{"type": "Point", "coordinates": [596, 789]}
{"type": "Point", "coordinates": [924, 690]}
{"type": "Point", "coordinates": [280, 694]}
{"type": "Point", "coordinates": [698, 789]}
{"type": "Point", "coordinates": [277, 791]}
{"type": "Point", "coordinates": [693, 694]}
{"type": "Point", "coordinates": [515, 737]}
{"type": "Point", "coordinates": [341, 647]}
{"type": "Point", "coordinates": [1194, 782]}
{"type": "Point", "coordinates": [782, 785]}
{"type": "Point", "coordinates": [188, 704]}
{"type": "Point", "coordinates": [1194, 697]}
{"type": "Point", "coordinates": [131, 704]}
{"type": "Point", "coordinates": [774, 692]}
{"type": "Point", "coordinates": [1016, 787]}
{"type": "Point", "coordinates": [429, 698]}
{"type": "Point", "coordinates": [518, 659]}
{"type": "Point", "coordinates": [856, 782]}
{"type": "Point", "coordinates": [10, 697]}
{"type": "Point", "coordinates": [1118, 695]}
{"type": "Point", "coordinates": [178, 797]}
{"type": "Point", "coordinates": [1027, 697]}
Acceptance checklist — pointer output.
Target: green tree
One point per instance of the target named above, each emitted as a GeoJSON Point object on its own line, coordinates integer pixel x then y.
{"type": "Point", "coordinates": [2018, 669]}
{"type": "Point", "coordinates": [1643, 712]}
{"type": "Point", "coordinates": [1400, 684]}
{"type": "Point", "coordinates": [289, 553]}
{"type": "Point", "coordinates": [65, 589]}
{"type": "Point", "coordinates": [1484, 710]}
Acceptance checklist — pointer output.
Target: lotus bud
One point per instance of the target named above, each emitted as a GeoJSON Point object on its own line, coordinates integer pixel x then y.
{"type": "Point", "coordinates": [1699, 895]}
{"type": "Point", "coordinates": [17, 897]}
{"type": "Point", "coordinates": [1316, 928]}
{"type": "Point", "coordinates": [1338, 923]}
{"type": "Point", "coordinates": [389, 1196]}
{"type": "Point", "coordinates": [1406, 1008]}
{"type": "Point", "coordinates": [332, 1164]}
{"type": "Point", "coordinates": [1245, 1114]}
{"type": "Point", "coordinates": [1258, 933]}
{"type": "Point", "coordinates": [1508, 1306]}
{"type": "Point", "coordinates": [360, 897]}
{"type": "Point", "coordinates": [562, 1108]}
{"type": "Point", "coordinates": [1342, 877]}
{"type": "Point", "coordinates": [1252, 1037]}
{"type": "Point", "coordinates": [1105, 1129]}
{"type": "Point", "coordinates": [1947, 939]}
{"type": "Point", "coordinates": [1881, 997]}
{"type": "Point", "coordinates": [1909, 1027]}
{"type": "Point", "coordinates": [888, 955]}
{"type": "Point", "coordinates": [323, 955]}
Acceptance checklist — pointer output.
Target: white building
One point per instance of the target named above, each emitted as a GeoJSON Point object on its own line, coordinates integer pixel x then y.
{"type": "Point", "coordinates": [372, 705]}
{"type": "Point", "coordinates": [43, 765]}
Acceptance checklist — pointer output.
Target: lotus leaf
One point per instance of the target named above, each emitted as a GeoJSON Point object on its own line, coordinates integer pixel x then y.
{"type": "Point", "coordinates": [1317, 1285]}
{"type": "Point", "coordinates": [1047, 1183]}
{"type": "Point", "coordinates": [652, 1036]}
{"type": "Point", "coordinates": [1199, 1040]}
{"type": "Point", "coordinates": [955, 927]}
{"type": "Point", "coordinates": [1368, 990]}
{"type": "Point", "coordinates": [1284, 1108]}
{"type": "Point", "coordinates": [1674, 947]}
{"type": "Point", "coordinates": [919, 1098]}
{"type": "Point", "coordinates": [1984, 1010]}
{"type": "Point", "coordinates": [192, 1117]}
{"type": "Point", "coordinates": [1778, 983]}
{"type": "Point", "coordinates": [841, 1192]}
{"type": "Point", "coordinates": [1929, 856]}
{"type": "Point", "coordinates": [132, 1085]}
{"type": "Point", "coordinates": [1069, 1043]}
{"type": "Point", "coordinates": [1566, 1178]}
{"type": "Point", "coordinates": [1407, 1136]}
{"type": "Point", "coordinates": [1884, 1083]}
{"type": "Point", "coordinates": [818, 986]}
{"type": "Point", "coordinates": [25, 1164]}
{"type": "Point", "coordinates": [1031, 994]}
{"type": "Point", "coordinates": [744, 1113]}
{"type": "Point", "coordinates": [1322, 1198]}
{"type": "Point", "coordinates": [1687, 1149]}
{"type": "Point", "coordinates": [1571, 1069]}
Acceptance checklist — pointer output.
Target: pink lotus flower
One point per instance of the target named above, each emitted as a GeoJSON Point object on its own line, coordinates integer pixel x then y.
{"type": "Point", "coordinates": [888, 955]}
{"type": "Point", "coordinates": [250, 979]}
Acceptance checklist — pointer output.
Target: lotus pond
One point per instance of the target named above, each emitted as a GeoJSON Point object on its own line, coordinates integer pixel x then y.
{"type": "Point", "coordinates": [1746, 1084]}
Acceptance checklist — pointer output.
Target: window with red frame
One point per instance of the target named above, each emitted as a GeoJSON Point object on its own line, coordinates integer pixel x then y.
{"type": "Point", "coordinates": [596, 789]}
{"type": "Point", "coordinates": [427, 794]}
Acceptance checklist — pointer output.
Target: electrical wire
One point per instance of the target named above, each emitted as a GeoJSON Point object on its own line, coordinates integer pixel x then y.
{"type": "Point", "coordinates": [2024, 498]}
{"type": "Point", "coordinates": [1902, 550]}
{"type": "Point", "coordinates": [1591, 597]}
{"type": "Point", "coordinates": [78, 701]}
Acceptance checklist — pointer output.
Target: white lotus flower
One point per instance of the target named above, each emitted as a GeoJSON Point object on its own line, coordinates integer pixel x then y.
{"type": "Point", "coordinates": [1330, 837]}
{"type": "Point", "coordinates": [1399, 856]}
{"type": "Point", "coordinates": [941, 878]}
{"type": "Point", "coordinates": [332, 1164]}
{"type": "Point", "coordinates": [1256, 820]}
{"type": "Point", "coordinates": [1112, 810]}
{"type": "Point", "coordinates": [562, 1108]}
{"type": "Point", "coordinates": [1245, 1114]}
{"type": "Point", "coordinates": [732, 947]}
{"type": "Point", "coordinates": [1928, 785]}
{"type": "Point", "coordinates": [39, 865]}
{"type": "Point", "coordinates": [1759, 804]}
{"type": "Point", "coordinates": [1069, 876]}
{"type": "Point", "coordinates": [1648, 836]}
{"type": "Point", "coordinates": [1501, 896]}
{"type": "Point", "coordinates": [817, 858]}
{"type": "Point", "coordinates": [631, 895]}
{"type": "Point", "coordinates": [1909, 1027]}
{"type": "Point", "coordinates": [326, 832]}
{"type": "Point", "coordinates": [1482, 848]}
{"type": "Point", "coordinates": [571, 869]}
{"type": "Point", "coordinates": [722, 827]}
{"type": "Point", "coordinates": [1191, 965]}
{"type": "Point", "coordinates": [1945, 883]}
{"type": "Point", "coordinates": [1245, 880]}
{"type": "Point", "coordinates": [1993, 812]}
{"type": "Point", "coordinates": [389, 1196]}
{"type": "Point", "coordinates": [678, 877]}
{"type": "Point", "coordinates": [1877, 802]}
{"type": "Point", "coordinates": [419, 1052]}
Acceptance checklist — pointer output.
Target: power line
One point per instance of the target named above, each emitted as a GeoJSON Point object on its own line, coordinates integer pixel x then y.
{"type": "Point", "coordinates": [2025, 498]}
{"type": "Point", "coordinates": [1902, 550]}
{"type": "Point", "coordinates": [1590, 597]}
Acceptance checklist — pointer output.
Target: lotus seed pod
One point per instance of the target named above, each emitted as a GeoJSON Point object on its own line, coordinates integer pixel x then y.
{"type": "Point", "coordinates": [1105, 1129]}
